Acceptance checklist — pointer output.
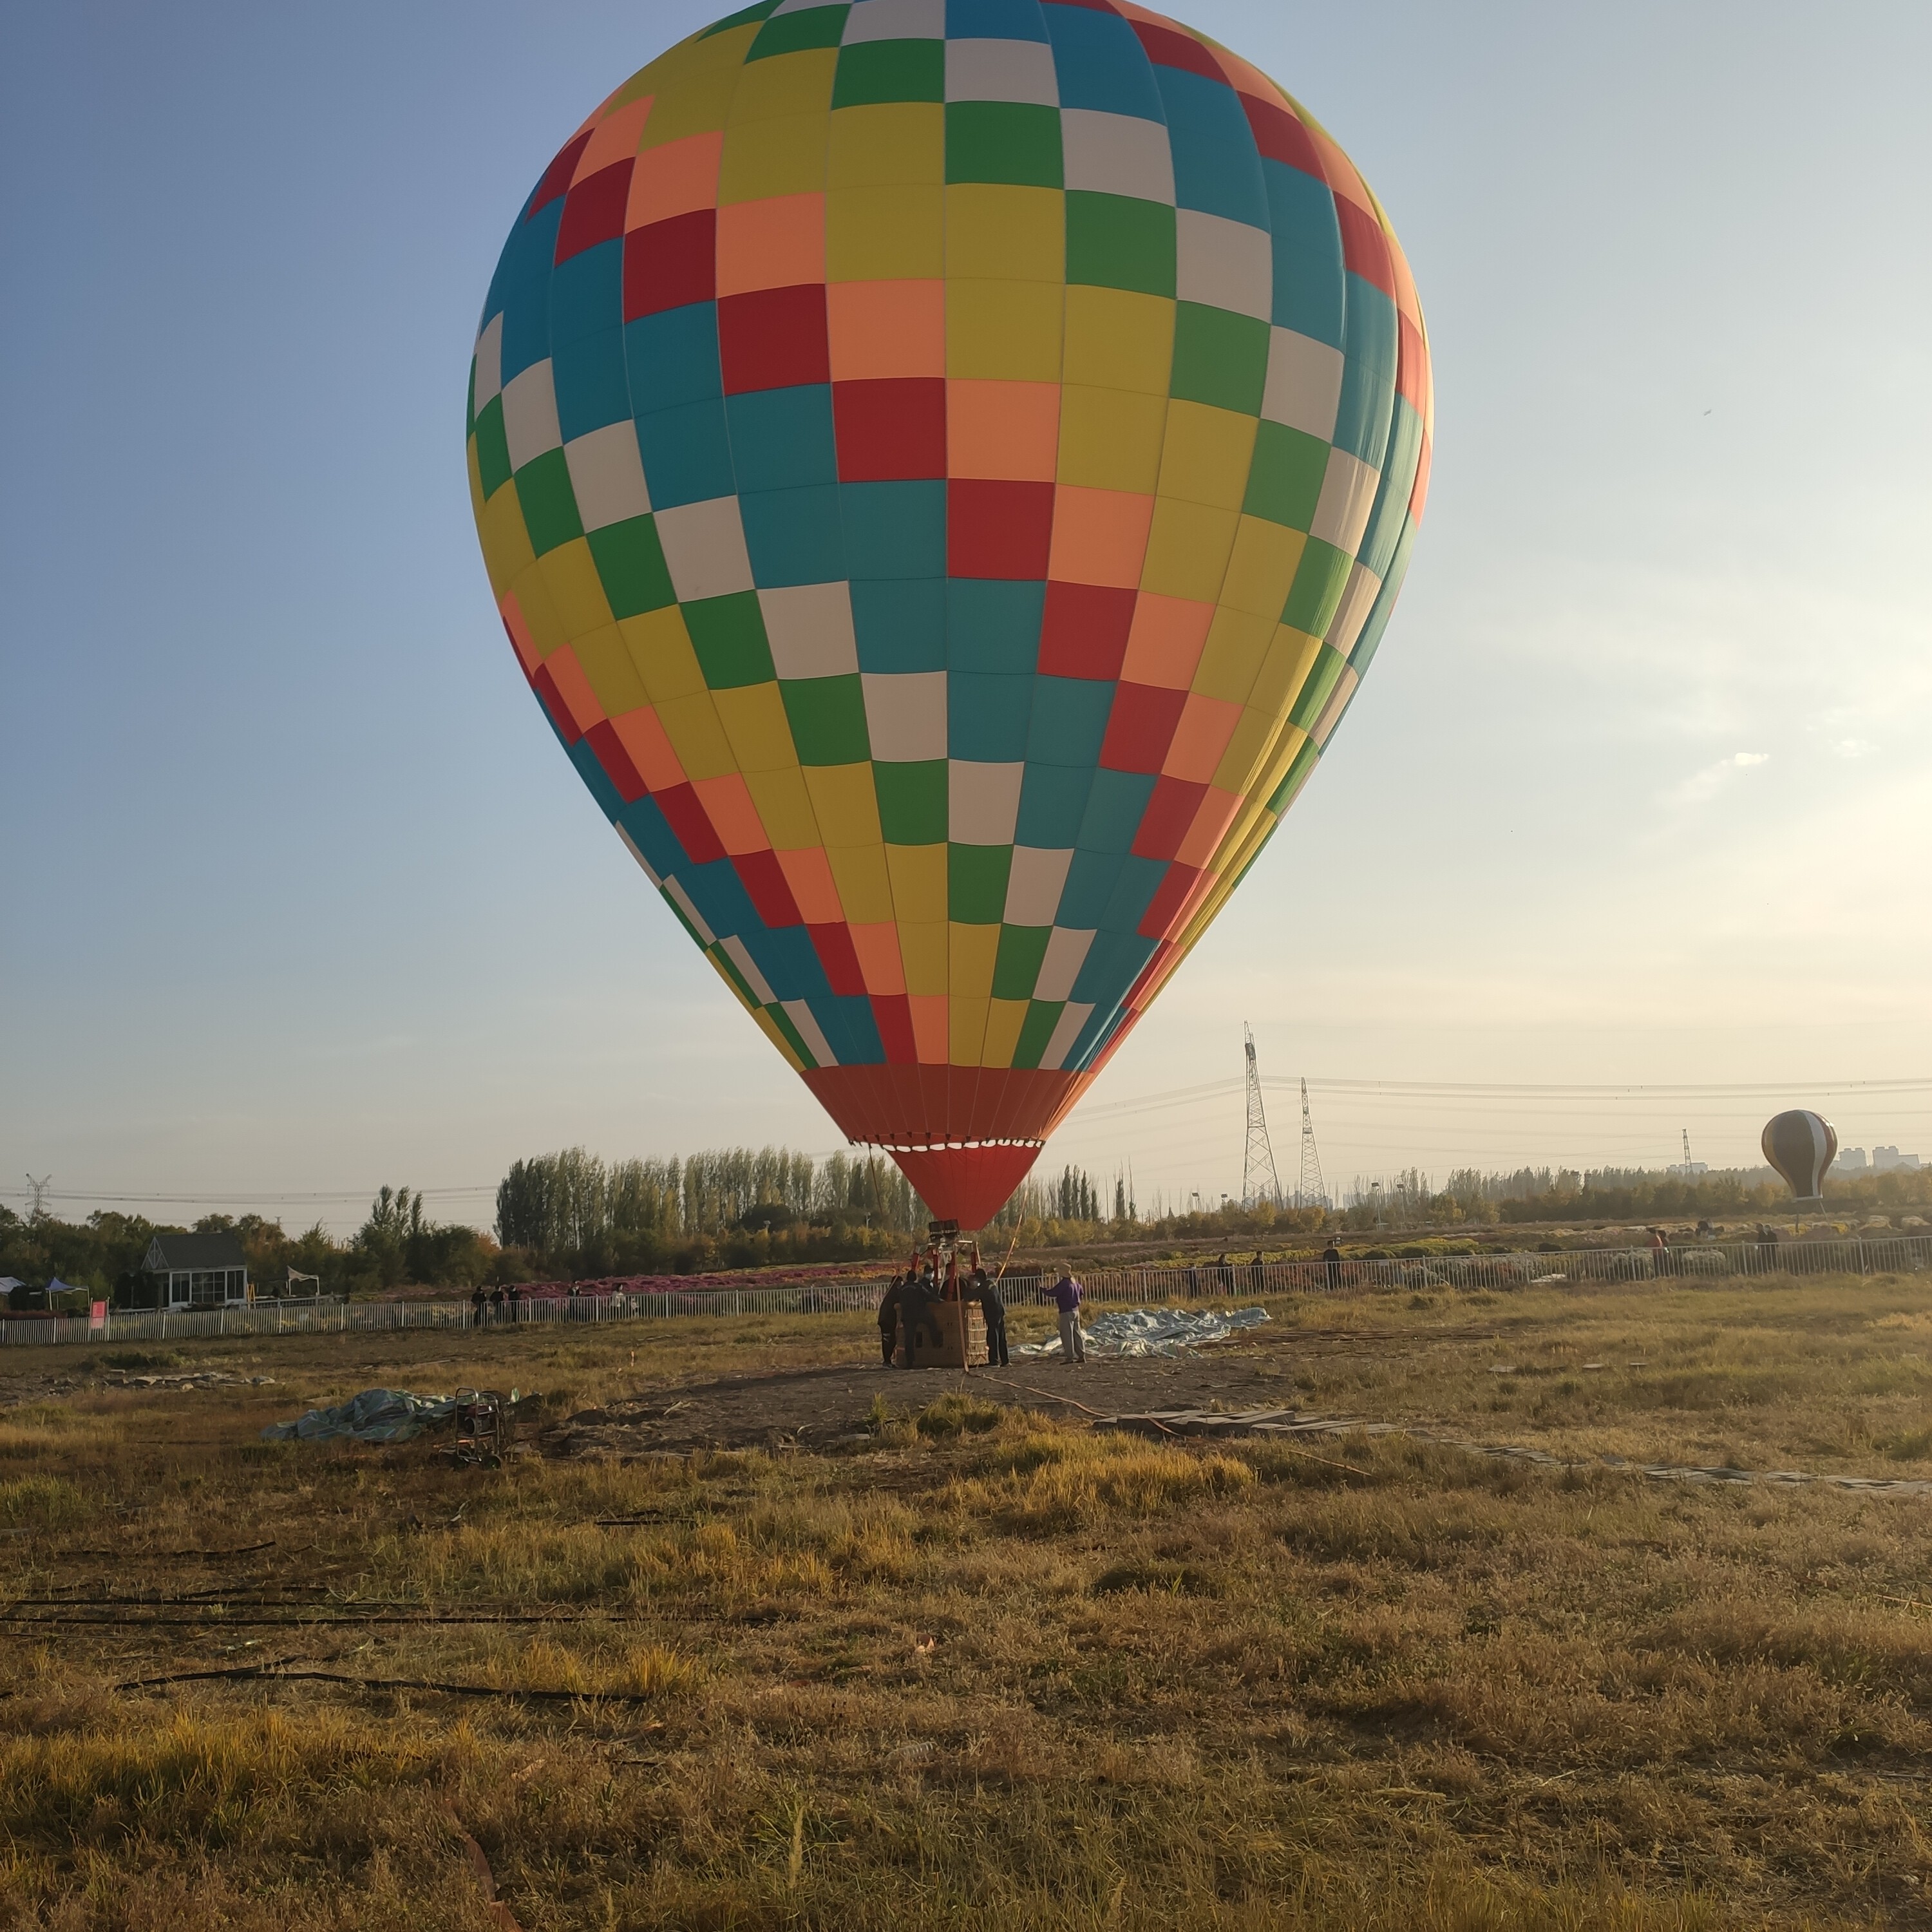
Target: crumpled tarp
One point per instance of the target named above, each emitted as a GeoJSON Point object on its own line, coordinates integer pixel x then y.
{"type": "Point", "coordinates": [376, 1415]}
{"type": "Point", "coordinates": [1155, 1331]}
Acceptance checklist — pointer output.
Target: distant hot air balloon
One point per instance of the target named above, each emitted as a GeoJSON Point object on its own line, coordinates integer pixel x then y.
{"type": "Point", "coordinates": [945, 467]}
{"type": "Point", "coordinates": [1801, 1145]}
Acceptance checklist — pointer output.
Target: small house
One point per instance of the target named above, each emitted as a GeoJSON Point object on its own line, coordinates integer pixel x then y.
{"type": "Point", "coordinates": [195, 1271]}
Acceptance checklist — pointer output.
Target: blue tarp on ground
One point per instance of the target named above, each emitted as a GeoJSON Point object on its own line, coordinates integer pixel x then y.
{"type": "Point", "coordinates": [1154, 1331]}
{"type": "Point", "coordinates": [376, 1415]}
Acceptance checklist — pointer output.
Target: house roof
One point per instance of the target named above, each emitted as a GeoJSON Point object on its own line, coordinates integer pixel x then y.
{"type": "Point", "coordinates": [192, 1251]}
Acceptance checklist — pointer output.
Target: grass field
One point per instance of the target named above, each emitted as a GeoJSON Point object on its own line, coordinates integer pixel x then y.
{"type": "Point", "coordinates": [992, 1667]}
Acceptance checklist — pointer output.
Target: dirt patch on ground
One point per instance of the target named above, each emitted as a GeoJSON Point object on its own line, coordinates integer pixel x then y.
{"type": "Point", "coordinates": [831, 1408]}
{"type": "Point", "coordinates": [21, 1391]}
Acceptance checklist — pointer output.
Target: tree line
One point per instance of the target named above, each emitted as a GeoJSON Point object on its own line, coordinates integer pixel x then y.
{"type": "Point", "coordinates": [397, 1243]}
{"type": "Point", "coordinates": [570, 1215]}
{"type": "Point", "coordinates": [1407, 1199]}
{"type": "Point", "coordinates": [574, 1213]}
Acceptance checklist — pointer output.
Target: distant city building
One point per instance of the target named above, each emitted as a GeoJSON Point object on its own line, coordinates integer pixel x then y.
{"type": "Point", "coordinates": [1689, 1170]}
{"type": "Point", "coordinates": [1883, 1160]}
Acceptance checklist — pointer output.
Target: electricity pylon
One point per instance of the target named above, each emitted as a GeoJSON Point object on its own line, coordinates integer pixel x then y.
{"type": "Point", "coordinates": [1259, 1181]}
{"type": "Point", "coordinates": [1310, 1191]}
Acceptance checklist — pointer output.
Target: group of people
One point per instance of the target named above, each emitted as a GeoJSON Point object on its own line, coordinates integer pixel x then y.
{"type": "Point", "coordinates": [906, 1309]}
{"type": "Point", "coordinates": [1223, 1272]}
{"type": "Point", "coordinates": [495, 1304]}
{"type": "Point", "coordinates": [1663, 1261]}
{"type": "Point", "coordinates": [909, 1299]}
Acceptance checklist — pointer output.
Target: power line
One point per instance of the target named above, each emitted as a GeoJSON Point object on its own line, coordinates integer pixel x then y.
{"type": "Point", "coordinates": [1396, 1089]}
{"type": "Point", "coordinates": [1213, 1089]}
{"type": "Point", "coordinates": [1445, 1090]}
{"type": "Point", "coordinates": [1118, 1115]}
{"type": "Point", "coordinates": [218, 1197]}
{"type": "Point", "coordinates": [1177, 1097]}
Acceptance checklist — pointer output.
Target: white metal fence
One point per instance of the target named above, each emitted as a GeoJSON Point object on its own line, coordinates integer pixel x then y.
{"type": "Point", "coordinates": [1706, 1262]}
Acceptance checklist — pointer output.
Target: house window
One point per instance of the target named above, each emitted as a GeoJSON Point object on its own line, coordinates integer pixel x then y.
{"type": "Point", "coordinates": [205, 1287]}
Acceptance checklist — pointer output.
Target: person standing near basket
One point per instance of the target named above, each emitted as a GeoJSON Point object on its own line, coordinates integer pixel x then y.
{"type": "Point", "coordinates": [916, 1316]}
{"type": "Point", "coordinates": [982, 1290]}
{"type": "Point", "coordinates": [1066, 1298]}
{"type": "Point", "coordinates": [889, 1320]}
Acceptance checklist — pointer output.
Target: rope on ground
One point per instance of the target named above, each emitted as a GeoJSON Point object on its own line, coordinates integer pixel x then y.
{"type": "Point", "coordinates": [155, 1555]}
{"type": "Point", "coordinates": [1050, 1395]}
{"type": "Point", "coordinates": [270, 1673]}
{"type": "Point", "coordinates": [1307, 1455]}
{"type": "Point", "coordinates": [1175, 1435]}
{"type": "Point", "coordinates": [219, 1614]}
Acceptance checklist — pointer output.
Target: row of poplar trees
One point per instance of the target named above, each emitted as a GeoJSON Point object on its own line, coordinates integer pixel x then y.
{"type": "Point", "coordinates": [570, 1202]}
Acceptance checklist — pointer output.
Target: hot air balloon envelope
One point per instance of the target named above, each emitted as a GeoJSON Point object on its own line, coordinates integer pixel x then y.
{"type": "Point", "coordinates": [1801, 1145]}
{"type": "Point", "coordinates": [944, 466]}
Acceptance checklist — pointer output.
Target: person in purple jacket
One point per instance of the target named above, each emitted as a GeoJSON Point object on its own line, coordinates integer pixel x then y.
{"type": "Point", "coordinates": [1067, 1299]}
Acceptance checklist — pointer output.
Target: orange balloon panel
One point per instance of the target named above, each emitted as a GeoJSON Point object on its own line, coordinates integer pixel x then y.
{"type": "Point", "coordinates": [944, 466]}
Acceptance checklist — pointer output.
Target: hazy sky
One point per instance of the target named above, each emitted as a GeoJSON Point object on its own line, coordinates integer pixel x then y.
{"type": "Point", "coordinates": [300, 896]}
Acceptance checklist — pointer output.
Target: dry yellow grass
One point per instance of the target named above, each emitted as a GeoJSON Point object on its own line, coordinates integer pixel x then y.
{"type": "Point", "coordinates": [997, 1669]}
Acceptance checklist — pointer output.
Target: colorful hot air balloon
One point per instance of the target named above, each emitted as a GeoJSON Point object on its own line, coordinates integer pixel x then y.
{"type": "Point", "coordinates": [1801, 1145]}
{"type": "Point", "coordinates": [945, 466]}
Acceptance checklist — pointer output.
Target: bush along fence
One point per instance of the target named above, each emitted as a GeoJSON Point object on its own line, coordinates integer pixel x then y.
{"type": "Point", "coordinates": [1706, 1262]}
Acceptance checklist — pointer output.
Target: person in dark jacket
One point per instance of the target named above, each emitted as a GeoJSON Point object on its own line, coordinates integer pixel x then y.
{"type": "Point", "coordinates": [889, 1320]}
{"type": "Point", "coordinates": [915, 1312]}
{"type": "Point", "coordinates": [479, 1301]}
{"type": "Point", "coordinates": [995, 1310]}
{"type": "Point", "coordinates": [1331, 1258]}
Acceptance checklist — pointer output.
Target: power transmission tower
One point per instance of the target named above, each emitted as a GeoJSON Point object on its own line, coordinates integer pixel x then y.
{"type": "Point", "coordinates": [1259, 1181]}
{"type": "Point", "coordinates": [40, 1192]}
{"type": "Point", "coordinates": [1310, 1191]}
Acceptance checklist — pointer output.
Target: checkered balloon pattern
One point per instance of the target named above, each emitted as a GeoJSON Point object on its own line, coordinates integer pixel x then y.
{"type": "Point", "coordinates": [945, 467]}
